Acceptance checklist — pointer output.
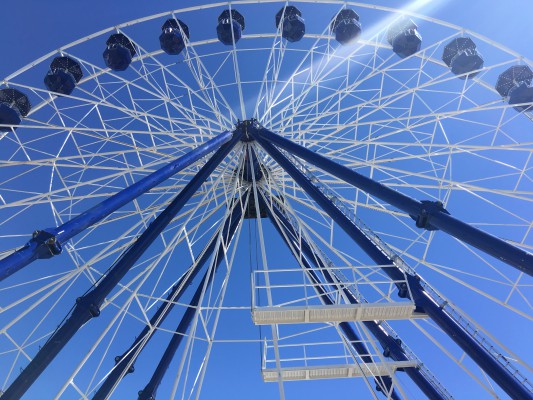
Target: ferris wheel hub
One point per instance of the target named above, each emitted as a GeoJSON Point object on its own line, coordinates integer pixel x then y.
{"type": "Point", "coordinates": [247, 128]}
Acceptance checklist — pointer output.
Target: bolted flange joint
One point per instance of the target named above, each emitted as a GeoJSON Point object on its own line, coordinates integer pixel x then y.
{"type": "Point", "coordinates": [247, 127]}
{"type": "Point", "coordinates": [131, 368]}
{"type": "Point", "coordinates": [428, 208]}
{"type": "Point", "coordinates": [45, 243]}
{"type": "Point", "coordinates": [145, 396]}
{"type": "Point", "coordinates": [387, 350]}
{"type": "Point", "coordinates": [86, 304]}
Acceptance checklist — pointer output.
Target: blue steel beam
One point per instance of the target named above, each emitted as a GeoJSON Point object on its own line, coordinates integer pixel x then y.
{"type": "Point", "coordinates": [126, 361]}
{"type": "Point", "coordinates": [429, 215]}
{"type": "Point", "coordinates": [48, 242]}
{"type": "Point", "coordinates": [478, 353]}
{"type": "Point", "coordinates": [88, 306]}
{"type": "Point", "coordinates": [484, 359]}
{"type": "Point", "coordinates": [293, 241]}
{"type": "Point", "coordinates": [359, 237]}
{"type": "Point", "coordinates": [388, 343]}
{"type": "Point", "coordinates": [149, 391]}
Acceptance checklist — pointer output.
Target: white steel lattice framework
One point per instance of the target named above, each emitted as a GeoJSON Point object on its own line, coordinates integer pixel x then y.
{"type": "Point", "coordinates": [408, 123]}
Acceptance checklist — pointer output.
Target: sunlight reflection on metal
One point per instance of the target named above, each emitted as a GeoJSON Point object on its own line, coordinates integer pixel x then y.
{"type": "Point", "coordinates": [369, 34]}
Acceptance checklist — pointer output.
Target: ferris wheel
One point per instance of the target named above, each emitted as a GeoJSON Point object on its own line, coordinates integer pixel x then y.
{"type": "Point", "coordinates": [268, 199]}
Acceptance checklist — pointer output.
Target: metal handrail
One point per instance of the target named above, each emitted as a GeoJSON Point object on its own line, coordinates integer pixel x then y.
{"type": "Point", "coordinates": [351, 288]}
{"type": "Point", "coordinates": [462, 320]}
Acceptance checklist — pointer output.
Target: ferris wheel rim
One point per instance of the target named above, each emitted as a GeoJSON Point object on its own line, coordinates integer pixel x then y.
{"type": "Point", "coordinates": [152, 165]}
{"type": "Point", "coordinates": [244, 2]}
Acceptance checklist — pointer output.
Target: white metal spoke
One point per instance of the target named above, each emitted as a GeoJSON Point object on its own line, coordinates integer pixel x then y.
{"type": "Point", "coordinates": [408, 123]}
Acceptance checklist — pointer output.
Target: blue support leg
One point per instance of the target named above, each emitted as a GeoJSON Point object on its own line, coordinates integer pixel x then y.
{"type": "Point", "coordinates": [488, 362]}
{"type": "Point", "coordinates": [149, 391]}
{"type": "Point", "coordinates": [47, 243]}
{"type": "Point", "coordinates": [390, 345]}
{"type": "Point", "coordinates": [429, 215]}
{"type": "Point", "coordinates": [478, 353]}
{"type": "Point", "coordinates": [126, 361]}
{"type": "Point", "coordinates": [359, 237]}
{"type": "Point", "coordinates": [293, 241]}
{"type": "Point", "coordinates": [88, 306]}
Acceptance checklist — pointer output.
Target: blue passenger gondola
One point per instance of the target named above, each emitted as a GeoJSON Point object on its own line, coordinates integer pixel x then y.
{"type": "Point", "coordinates": [292, 23]}
{"type": "Point", "coordinates": [119, 52]}
{"type": "Point", "coordinates": [14, 105]}
{"type": "Point", "coordinates": [462, 57]}
{"type": "Point", "coordinates": [515, 83]}
{"type": "Point", "coordinates": [63, 76]}
{"type": "Point", "coordinates": [346, 26]}
{"type": "Point", "coordinates": [172, 39]}
{"type": "Point", "coordinates": [404, 37]}
{"type": "Point", "coordinates": [230, 27]}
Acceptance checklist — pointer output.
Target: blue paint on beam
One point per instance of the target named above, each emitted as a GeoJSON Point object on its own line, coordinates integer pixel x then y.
{"type": "Point", "coordinates": [149, 391]}
{"type": "Point", "coordinates": [388, 343]}
{"type": "Point", "coordinates": [290, 237]}
{"type": "Point", "coordinates": [434, 217]}
{"type": "Point", "coordinates": [88, 306]}
{"type": "Point", "coordinates": [252, 169]}
{"type": "Point", "coordinates": [127, 359]}
{"type": "Point", "coordinates": [373, 252]}
{"type": "Point", "coordinates": [485, 360]}
{"type": "Point", "coordinates": [47, 243]}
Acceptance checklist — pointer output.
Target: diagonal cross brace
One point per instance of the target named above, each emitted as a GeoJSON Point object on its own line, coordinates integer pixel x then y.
{"type": "Point", "coordinates": [88, 306]}
{"type": "Point", "coordinates": [427, 214]}
{"type": "Point", "coordinates": [480, 355]}
{"type": "Point", "coordinates": [48, 242]}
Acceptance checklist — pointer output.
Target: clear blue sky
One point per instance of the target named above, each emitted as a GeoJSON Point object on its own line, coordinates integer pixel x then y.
{"type": "Point", "coordinates": [33, 28]}
{"type": "Point", "coordinates": [46, 28]}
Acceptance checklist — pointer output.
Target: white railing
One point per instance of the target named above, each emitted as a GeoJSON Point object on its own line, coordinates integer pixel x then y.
{"type": "Point", "coordinates": [295, 287]}
{"type": "Point", "coordinates": [462, 320]}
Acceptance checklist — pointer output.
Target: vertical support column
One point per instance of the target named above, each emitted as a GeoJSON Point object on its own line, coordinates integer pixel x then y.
{"type": "Point", "coordinates": [232, 223]}
{"type": "Point", "coordinates": [88, 306]}
{"type": "Point", "coordinates": [429, 215]}
{"type": "Point", "coordinates": [127, 359]}
{"type": "Point", "coordinates": [293, 241]}
{"type": "Point", "coordinates": [48, 242]}
{"type": "Point", "coordinates": [487, 362]}
{"type": "Point", "coordinates": [388, 343]}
